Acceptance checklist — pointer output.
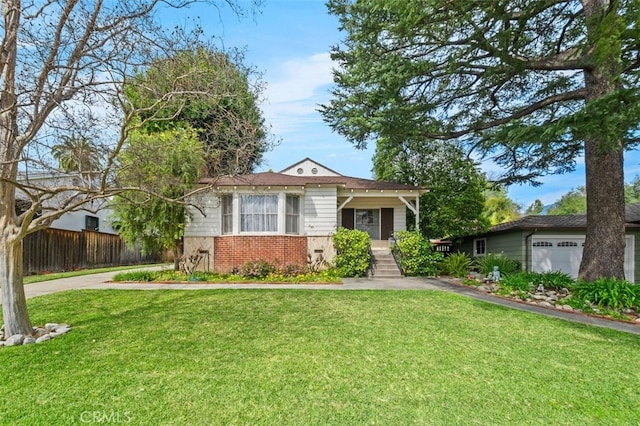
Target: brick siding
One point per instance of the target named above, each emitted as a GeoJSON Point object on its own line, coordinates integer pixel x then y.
{"type": "Point", "coordinates": [233, 251]}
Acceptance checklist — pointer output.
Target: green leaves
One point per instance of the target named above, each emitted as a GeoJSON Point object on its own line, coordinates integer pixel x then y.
{"type": "Point", "coordinates": [353, 256]}
{"type": "Point", "coordinates": [506, 79]}
{"type": "Point", "coordinates": [418, 258]}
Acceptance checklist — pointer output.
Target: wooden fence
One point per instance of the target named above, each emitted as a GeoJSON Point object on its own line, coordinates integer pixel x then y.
{"type": "Point", "coordinates": [54, 250]}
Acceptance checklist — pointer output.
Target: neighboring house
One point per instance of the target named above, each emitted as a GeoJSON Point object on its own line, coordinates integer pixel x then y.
{"type": "Point", "coordinates": [92, 216]}
{"type": "Point", "coordinates": [551, 243]}
{"type": "Point", "coordinates": [289, 217]}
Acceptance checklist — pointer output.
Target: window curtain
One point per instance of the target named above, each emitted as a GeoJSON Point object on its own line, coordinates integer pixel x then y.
{"type": "Point", "coordinates": [259, 213]}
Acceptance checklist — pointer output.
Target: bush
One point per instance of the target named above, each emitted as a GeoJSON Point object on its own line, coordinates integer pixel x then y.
{"type": "Point", "coordinates": [556, 280]}
{"type": "Point", "coordinates": [456, 265]}
{"type": "Point", "coordinates": [529, 281]}
{"type": "Point", "coordinates": [608, 293]}
{"type": "Point", "coordinates": [505, 265]}
{"type": "Point", "coordinates": [417, 255]}
{"type": "Point", "coordinates": [139, 276]}
{"type": "Point", "coordinates": [353, 249]}
{"type": "Point", "coordinates": [257, 269]}
{"type": "Point", "coordinates": [522, 281]}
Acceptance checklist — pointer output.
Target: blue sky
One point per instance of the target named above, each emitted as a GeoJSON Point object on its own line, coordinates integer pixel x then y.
{"type": "Point", "coordinates": [289, 42]}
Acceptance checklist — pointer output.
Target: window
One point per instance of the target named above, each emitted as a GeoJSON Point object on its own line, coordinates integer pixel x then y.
{"type": "Point", "coordinates": [568, 244]}
{"type": "Point", "coordinates": [293, 214]}
{"type": "Point", "coordinates": [369, 222]}
{"type": "Point", "coordinates": [259, 213]}
{"type": "Point", "coordinates": [227, 214]}
{"type": "Point", "coordinates": [480, 247]}
{"type": "Point", "coordinates": [542, 244]}
{"type": "Point", "coordinates": [91, 223]}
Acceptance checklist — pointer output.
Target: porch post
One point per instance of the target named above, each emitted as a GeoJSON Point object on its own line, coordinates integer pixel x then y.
{"type": "Point", "coordinates": [417, 212]}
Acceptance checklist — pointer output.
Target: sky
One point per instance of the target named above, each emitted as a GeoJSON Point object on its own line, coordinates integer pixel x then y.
{"type": "Point", "coordinates": [288, 42]}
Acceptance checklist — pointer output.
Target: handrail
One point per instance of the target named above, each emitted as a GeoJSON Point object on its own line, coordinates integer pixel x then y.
{"type": "Point", "coordinates": [396, 252]}
{"type": "Point", "coordinates": [372, 264]}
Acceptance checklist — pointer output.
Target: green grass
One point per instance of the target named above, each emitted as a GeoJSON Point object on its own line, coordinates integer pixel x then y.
{"type": "Point", "coordinates": [57, 275]}
{"type": "Point", "coordinates": [291, 357]}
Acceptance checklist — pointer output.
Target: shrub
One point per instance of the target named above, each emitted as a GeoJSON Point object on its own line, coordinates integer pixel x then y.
{"type": "Point", "coordinates": [556, 280]}
{"type": "Point", "coordinates": [141, 276]}
{"type": "Point", "coordinates": [505, 265]}
{"type": "Point", "coordinates": [608, 293]}
{"type": "Point", "coordinates": [417, 255]}
{"type": "Point", "coordinates": [353, 249]}
{"type": "Point", "coordinates": [522, 281]}
{"type": "Point", "coordinates": [294, 270]}
{"type": "Point", "coordinates": [257, 269]}
{"type": "Point", "coordinates": [529, 281]}
{"type": "Point", "coordinates": [456, 265]}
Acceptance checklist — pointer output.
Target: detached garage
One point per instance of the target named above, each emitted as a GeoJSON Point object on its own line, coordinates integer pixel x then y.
{"type": "Point", "coordinates": [564, 253]}
{"type": "Point", "coordinates": [551, 243]}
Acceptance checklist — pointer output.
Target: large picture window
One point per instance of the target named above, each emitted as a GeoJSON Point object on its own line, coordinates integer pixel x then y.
{"type": "Point", "coordinates": [293, 214]}
{"type": "Point", "coordinates": [227, 214]}
{"type": "Point", "coordinates": [258, 213]}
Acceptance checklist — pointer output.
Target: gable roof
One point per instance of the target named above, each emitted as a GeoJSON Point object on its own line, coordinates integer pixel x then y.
{"type": "Point", "coordinates": [283, 179]}
{"type": "Point", "coordinates": [324, 170]}
{"type": "Point", "coordinates": [574, 221]}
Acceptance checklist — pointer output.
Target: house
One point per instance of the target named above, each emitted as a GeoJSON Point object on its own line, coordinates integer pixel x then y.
{"type": "Point", "coordinates": [289, 217]}
{"type": "Point", "coordinates": [91, 216]}
{"type": "Point", "coordinates": [551, 243]}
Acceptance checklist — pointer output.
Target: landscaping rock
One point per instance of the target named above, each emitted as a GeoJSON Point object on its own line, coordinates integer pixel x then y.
{"type": "Point", "coordinates": [14, 340]}
{"type": "Point", "coordinates": [63, 330]}
{"type": "Point", "coordinates": [552, 298]}
{"type": "Point", "coordinates": [50, 326]}
{"type": "Point", "coordinates": [28, 340]}
{"type": "Point", "coordinates": [545, 304]}
{"type": "Point", "coordinates": [538, 296]}
{"type": "Point", "coordinates": [44, 338]}
{"type": "Point", "coordinates": [483, 288]}
{"type": "Point", "coordinates": [567, 308]}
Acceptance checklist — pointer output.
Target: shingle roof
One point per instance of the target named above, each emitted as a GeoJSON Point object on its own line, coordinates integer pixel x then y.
{"type": "Point", "coordinates": [632, 213]}
{"type": "Point", "coordinates": [280, 179]}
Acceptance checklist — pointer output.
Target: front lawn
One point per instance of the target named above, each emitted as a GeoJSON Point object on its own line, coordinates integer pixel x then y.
{"type": "Point", "coordinates": [314, 358]}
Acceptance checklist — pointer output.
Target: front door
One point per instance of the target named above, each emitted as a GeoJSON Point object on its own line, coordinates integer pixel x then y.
{"type": "Point", "coordinates": [368, 220]}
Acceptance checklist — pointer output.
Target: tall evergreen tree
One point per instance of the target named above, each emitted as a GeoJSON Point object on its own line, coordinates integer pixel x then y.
{"type": "Point", "coordinates": [530, 84]}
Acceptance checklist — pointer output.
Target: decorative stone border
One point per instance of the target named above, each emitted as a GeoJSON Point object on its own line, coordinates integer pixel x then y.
{"type": "Point", "coordinates": [40, 335]}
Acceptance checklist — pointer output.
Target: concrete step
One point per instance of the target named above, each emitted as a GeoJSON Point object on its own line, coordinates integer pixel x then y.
{"type": "Point", "coordinates": [385, 265]}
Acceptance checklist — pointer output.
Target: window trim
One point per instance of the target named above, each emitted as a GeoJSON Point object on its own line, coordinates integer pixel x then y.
{"type": "Point", "coordinates": [226, 201]}
{"type": "Point", "coordinates": [476, 252]}
{"type": "Point", "coordinates": [277, 214]}
{"type": "Point", "coordinates": [296, 215]}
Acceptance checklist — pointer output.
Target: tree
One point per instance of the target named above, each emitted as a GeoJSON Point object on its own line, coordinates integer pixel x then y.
{"type": "Point", "coordinates": [454, 205]}
{"type": "Point", "coordinates": [499, 208]}
{"type": "Point", "coordinates": [573, 202]}
{"type": "Point", "coordinates": [167, 163]}
{"type": "Point", "coordinates": [535, 208]}
{"type": "Point", "coordinates": [223, 106]}
{"type": "Point", "coordinates": [531, 85]}
{"type": "Point", "coordinates": [64, 66]}
{"type": "Point", "coordinates": [77, 154]}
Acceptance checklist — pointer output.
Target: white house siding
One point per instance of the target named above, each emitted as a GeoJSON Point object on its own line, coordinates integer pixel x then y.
{"type": "Point", "coordinates": [204, 226]}
{"type": "Point", "coordinates": [309, 168]}
{"type": "Point", "coordinates": [399, 209]}
{"type": "Point", "coordinates": [75, 221]}
{"type": "Point", "coordinates": [320, 211]}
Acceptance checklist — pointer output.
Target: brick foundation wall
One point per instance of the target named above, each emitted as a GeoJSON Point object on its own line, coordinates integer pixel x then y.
{"type": "Point", "coordinates": [233, 251]}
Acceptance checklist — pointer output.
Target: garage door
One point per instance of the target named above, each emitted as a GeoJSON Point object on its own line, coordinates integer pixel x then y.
{"type": "Point", "coordinates": [554, 253]}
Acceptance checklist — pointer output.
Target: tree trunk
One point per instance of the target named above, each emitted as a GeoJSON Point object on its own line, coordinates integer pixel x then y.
{"type": "Point", "coordinates": [14, 303]}
{"type": "Point", "coordinates": [603, 254]}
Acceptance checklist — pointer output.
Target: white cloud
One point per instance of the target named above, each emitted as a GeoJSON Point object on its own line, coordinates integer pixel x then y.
{"type": "Point", "coordinates": [294, 90]}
